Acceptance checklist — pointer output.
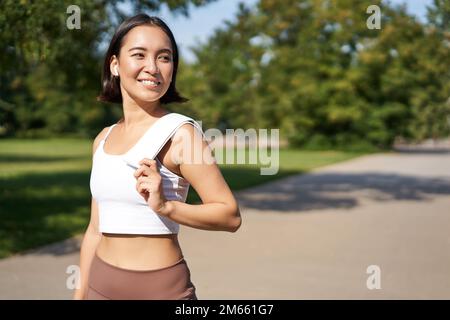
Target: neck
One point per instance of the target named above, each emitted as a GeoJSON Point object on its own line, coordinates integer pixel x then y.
{"type": "Point", "coordinates": [140, 113]}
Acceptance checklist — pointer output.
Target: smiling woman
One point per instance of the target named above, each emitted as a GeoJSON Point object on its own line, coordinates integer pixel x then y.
{"type": "Point", "coordinates": [139, 183]}
{"type": "Point", "coordinates": [128, 58]}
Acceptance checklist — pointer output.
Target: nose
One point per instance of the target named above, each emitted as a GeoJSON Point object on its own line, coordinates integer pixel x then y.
{"type": "Point", "coordinates": [151, 67]}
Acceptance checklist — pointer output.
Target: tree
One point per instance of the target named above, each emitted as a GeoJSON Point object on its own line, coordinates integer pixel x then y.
{"type": "Point", "coordinates": [316, 71]}
{"type": "Point", "coordinates": [50, 75]}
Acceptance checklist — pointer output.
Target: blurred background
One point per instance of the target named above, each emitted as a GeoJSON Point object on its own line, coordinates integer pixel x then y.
{"type": "Point", "coordinates": [317, 60]}
{"type": "Point", "coordinates": [336, 89]}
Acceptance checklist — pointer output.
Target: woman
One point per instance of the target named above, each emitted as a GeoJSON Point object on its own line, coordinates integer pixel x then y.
{"type": "Point", "coordinates": [130, 249]}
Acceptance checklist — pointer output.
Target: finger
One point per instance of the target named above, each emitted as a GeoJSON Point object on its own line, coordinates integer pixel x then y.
{"type": "Point", "coordinates": [143, 186]}
{"type": "Point", "coordinates": [144, 179]}
{"type": "Point", "coordinates": [148, 162]}
{"type": "Point", "coordinates": [147, 171]}
{"type": "Point", "coordinates": [151, 163]}
{"type": "Point", "coordinates": [138, 172]}
{"type": "Point", "coordinates": [146, 186]}
{"type": "Point", "coordinates": [139, 187]}
{"type": "Point", "coordinates": [143, 170]}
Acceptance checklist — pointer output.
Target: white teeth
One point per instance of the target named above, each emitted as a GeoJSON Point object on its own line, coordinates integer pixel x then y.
{"type": "Point", "coordinates": [148, 82]}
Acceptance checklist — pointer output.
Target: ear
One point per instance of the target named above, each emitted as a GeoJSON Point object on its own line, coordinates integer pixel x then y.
{"type": "Point", "coordinates": [114, 66]}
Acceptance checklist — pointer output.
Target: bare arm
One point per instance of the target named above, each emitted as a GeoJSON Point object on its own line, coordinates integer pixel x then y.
{"type": "Point", "coordinates": [90, 242]}
{"type": "Point", "coordinates": [219, 210]}
{"type": "Point", "coordinates": [89, 245]}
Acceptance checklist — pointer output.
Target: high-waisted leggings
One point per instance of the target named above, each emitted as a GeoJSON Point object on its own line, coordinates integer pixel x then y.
{"type": "Point", "coordinates": [108, 282]}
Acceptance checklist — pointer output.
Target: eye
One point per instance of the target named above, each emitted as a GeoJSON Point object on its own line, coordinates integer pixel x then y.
{"type": "Point", "coordinates": [139, 55]}
{"type": "Point", "coordinates": [166, 58]}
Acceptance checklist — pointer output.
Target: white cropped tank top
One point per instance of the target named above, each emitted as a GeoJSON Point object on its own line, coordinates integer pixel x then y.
{"type": "Point", "coordinates": [121, 208]}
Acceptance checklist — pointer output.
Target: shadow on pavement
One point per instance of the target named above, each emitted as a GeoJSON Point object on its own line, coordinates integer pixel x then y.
{"type": "Point", "coordinates": [58, 248]}
{"type": "Point", "coordinates": [422, 151]}
{"type": "Point", "coordinates": [336, 190]}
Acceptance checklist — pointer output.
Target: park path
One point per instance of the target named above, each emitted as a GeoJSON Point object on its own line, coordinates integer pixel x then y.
{"type": "Point", "coordinates": [309, 236]}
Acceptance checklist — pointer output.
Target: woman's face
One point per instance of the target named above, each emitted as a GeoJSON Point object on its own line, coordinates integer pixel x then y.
{"type": "Point", "coordinates": [145, 64]}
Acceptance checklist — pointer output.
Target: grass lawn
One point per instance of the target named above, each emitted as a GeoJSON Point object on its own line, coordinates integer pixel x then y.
{"type": "Point", "coordinates": [45, 195]}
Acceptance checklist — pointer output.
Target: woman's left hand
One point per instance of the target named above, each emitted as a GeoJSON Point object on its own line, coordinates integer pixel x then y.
{"type": "Point", "coordinates": [149, 184]}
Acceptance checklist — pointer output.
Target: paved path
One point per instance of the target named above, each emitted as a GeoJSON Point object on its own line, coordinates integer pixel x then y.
{"type": "Point", "coordinates": [310, 236]}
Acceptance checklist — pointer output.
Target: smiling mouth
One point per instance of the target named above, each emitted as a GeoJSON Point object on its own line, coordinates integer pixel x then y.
{"type": "Point", "coordinates": [150, 83]}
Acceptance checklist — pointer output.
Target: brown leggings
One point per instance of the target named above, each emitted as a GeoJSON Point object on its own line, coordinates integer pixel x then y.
{"type": "Point", "coordinates": [108, 282]}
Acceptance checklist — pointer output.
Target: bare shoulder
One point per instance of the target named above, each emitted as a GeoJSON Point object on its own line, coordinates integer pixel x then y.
{"type": "Point", "coordinates": [190, 139]}
{"type": "Point", "coordinates": [98, 138]}
{"type": "Point", "coordinates": [185, 131]}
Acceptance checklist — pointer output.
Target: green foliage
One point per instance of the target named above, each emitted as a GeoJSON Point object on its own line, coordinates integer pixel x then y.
{"type": "Point", "coordinates": [50, 75]}
{"type": "Point", "coordinates": [315, 70]}
{"type": "Point", "coordinates": [311, 68]}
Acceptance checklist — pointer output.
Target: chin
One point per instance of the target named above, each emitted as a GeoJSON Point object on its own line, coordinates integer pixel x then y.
{"type": "Point", "coordinates": [149, 99]}
{"type": "Point", "coordinates": [148, 96]}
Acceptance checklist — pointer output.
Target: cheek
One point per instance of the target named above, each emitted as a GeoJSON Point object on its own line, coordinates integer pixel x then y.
{"type": "Point", "coordinates": [166, 70]}
{"type": "Point", "coordinates": [131, 69]}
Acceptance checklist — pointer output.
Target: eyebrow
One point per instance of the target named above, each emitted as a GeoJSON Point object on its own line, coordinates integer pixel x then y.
{"type": "Point", "coordinates": [145, 49]}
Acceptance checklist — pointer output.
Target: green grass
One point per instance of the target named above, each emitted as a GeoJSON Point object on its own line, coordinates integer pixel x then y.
{"type": "Point", "coordinates": [45, 195]}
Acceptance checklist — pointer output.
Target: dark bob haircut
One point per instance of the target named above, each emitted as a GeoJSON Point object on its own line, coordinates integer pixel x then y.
{"type": "Point", "coordinates": [111, 85]}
